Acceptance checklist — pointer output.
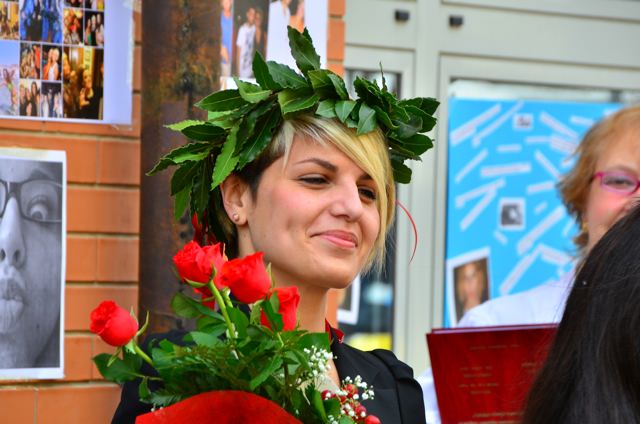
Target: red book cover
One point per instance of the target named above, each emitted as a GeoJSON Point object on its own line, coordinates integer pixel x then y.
{"type": "Point", "coordinates": [483, 374]}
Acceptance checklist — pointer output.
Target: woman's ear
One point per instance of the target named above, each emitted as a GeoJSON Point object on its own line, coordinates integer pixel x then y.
{"type": "Point", "coordinates": [235, 198]}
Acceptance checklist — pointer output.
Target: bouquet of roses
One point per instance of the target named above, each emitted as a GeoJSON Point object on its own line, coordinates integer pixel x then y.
{"type": "Point", "coordinates": [245, 344]}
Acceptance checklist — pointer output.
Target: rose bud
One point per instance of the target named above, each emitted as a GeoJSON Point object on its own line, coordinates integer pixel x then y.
{"type": "Point", "coordinates": [113, 324]}
{"type": "Point", "coordinates": [187, 265]}
{"type": "Point", "coordinates": [289, 299]}
{"type": "Point", "coordinates": [246, 277]}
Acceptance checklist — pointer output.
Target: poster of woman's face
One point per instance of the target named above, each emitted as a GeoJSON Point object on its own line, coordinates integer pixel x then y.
{"type": "Point", "coordinates": [468, 282]}
{"type": "Point", "coordinates": [32, 228]}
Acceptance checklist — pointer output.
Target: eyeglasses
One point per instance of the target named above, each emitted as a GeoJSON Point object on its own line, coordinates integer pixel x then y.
{"type": "Point", "coordinates": [38, 200]}
{"type": "Point", "coordinates": [618, 182]}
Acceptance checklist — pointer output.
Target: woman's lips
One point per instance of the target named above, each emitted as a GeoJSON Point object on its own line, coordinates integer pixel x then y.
{"type": "Point", "coordinates": [12, 303]}
{"type": "Point", "coordinates": [340, 238]}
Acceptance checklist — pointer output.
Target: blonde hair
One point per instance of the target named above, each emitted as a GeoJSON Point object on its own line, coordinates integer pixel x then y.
{"type": "Point", "coordinates": [575, 186]}
{"type": "Point", "coordinates": [368, 151]}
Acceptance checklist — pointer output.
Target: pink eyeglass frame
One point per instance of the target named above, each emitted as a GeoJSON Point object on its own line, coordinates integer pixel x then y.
{"type": "Point", "coordinates": [614, 173]}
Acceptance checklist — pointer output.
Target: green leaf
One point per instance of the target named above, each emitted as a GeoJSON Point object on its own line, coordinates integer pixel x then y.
{"type": "Point", "coordinates": [383, 118]}
{"type": "Point", "coordinates": [368, 91]}
{"type": "Point", "coordinates": [226, 160]}
{"type": "Point", "coordinates": [332, 407]}
{"type": "Point", "coordinates": [366, 119]}
{"type": "Point", "coordinates": [181, 200]}
{"type": "Point", "coordinates": [261, 72]}
{"type": "Point", "coordinates": [247, 125]}
{"type": "Point", "coordinates": [204, 132]}
{"type": "Point", "coordinates": [240, 321]}
{"type": "Point", "coordinates": [222, 100]}
{"type": "Point", "coordinates": [187, 307]}
{"type": "Point", "coordinates": [179, 126]}
{"type": "Point", "coordinates": [183, 177]}
{"type": "Point", "coordinates": [303, 51]}
{"type": "Point", "coordinates": [188, 152]}
{"type": "Point", "coordinates": [201, 188]}
{"type": "Point", "coordinates": [401, 172]}
{"type": "Point", "coordinates": [320, 340]}
{"type": "Point", "coordinates": [250, 92]}
{"type": "Point", "coordinates": [261, 137]}
{"type": "Point", "coordinates": [428, 104]}
{"type": "Point", "coordinates": [296, 101]}
{"type": "Point", "coordinates": [271, 368]}
{"type": "Point", "coordinates": [343, 108]}
{"type": "Point", "coordinates": [205, 339]}
{"type": "Point", "coordinates": [143, 389]}
{"type": "Point", "coordinates": [285, 76]}
{"type": "Point", "coordinates": [409, 127]}
{"type": "Point", "coordinates": [326, 108]}
{"type": "Point", "coordinates": [417, 144]}
{"type": "Point", "coordinates": [339, 86]}
{"type": "Point", "coordinates": [318, 405]}
{"type": "Point", "coordinates": [119, 371]}
{"type": "Point", "coordinates": [322, 84]}
{"type": "Point", "coordinates": [274, 318]}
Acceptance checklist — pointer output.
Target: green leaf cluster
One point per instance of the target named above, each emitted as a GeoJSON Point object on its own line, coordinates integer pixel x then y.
{"type": "Point", "coordinates": [242, 122]}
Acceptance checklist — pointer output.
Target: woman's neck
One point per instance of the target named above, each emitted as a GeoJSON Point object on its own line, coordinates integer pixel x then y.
{"type": "Point", "coordinates": [312, 308]}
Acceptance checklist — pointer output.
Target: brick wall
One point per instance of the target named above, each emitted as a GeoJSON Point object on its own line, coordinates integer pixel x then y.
{"type": "Point", "coordinates": [103, 208]}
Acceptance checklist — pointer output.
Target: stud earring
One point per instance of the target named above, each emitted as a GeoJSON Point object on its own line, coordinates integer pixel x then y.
{"type": "Point", "coordinates": [235, 217]}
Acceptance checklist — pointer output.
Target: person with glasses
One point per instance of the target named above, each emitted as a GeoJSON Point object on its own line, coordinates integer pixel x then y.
{"type": "Point", "coordinates": [30, 263]}
{"type": "Point", "coordinates": [600, 189]}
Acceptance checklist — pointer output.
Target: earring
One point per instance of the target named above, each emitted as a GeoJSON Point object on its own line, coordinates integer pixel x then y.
{"type": "Point", "coordinates": [235, 217]}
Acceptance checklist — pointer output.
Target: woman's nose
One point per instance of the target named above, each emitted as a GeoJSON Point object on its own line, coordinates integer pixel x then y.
{"type": "Point", "coordinates": [347, 203]}
{"type": "Point", "coordinates": [12, 247]}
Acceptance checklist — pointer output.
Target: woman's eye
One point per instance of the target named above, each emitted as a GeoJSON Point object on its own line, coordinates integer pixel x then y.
{"type": "Point", "coordinates": [368, 193]}
{"type": "Point", "coordinates": [619, 181]}
{"type": "Point", "coordinates": [313, 180]}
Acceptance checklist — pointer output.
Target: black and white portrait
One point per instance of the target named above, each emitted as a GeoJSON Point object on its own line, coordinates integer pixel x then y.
{"type": "Point", "coordinates": [32, 228]}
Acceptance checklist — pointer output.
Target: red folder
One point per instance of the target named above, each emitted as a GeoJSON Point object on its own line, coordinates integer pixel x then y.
{"type": "Point", "coordinates": [483, 374]}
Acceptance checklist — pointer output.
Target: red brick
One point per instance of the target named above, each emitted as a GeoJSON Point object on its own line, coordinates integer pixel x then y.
{"type": "Point", "coordinates": [103, 210]}
{"type": "Point", "coordinates": [335, 40]}
{"type": "Point", "coordinates": [80, 300]}
{"type": "Point", "coordinates": [137, 69]}
{"type": "Point", "coordinates": [18, 404]}
{"type": "Point", "coordinates": [90, 403]}
{"type": "Point", "coordinates": [82, 258]}
{"type": "Point", "coordinates": [118, 259]}
{"type": "Point", "coordinates": [119, 162]}
{"type": "Point", "coordinates": [81, 152]}
{"type": "Point", "coordinates": [336, 67]}
{"type": "Point", "coordinates": [337, 7]}
{"type": "Point", "coordinates": [78, 351]}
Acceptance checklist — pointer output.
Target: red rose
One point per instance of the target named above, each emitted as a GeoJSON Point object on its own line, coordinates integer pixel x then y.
{"type": "Point", "coordinates": [113, 324]}
{"type": "Point", "coordinates": [289, 299]}
{"type": "Point", "coordinates": [195, 263]}
{"type": "Point", "coordinates": [247, 278]}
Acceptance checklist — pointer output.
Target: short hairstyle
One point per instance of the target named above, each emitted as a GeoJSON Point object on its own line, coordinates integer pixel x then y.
{"type": "Point", "coordinates": [592, 372]}
{"type": "Point", "coordinates": [575, 186]}
{"type": "Point", "coordinates": [368, 151]}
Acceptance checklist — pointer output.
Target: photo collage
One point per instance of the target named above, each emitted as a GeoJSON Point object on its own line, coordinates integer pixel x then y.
{"type": "Point", "coordinates": [248, 26]}
{"type": "Point", "coordinates": [52, 58]}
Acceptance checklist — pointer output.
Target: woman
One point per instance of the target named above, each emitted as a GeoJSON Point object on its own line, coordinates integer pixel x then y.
{"type": "Point", "coordinates": [593, 369]}
{"type": "Point", "coordinates": [318, 202]}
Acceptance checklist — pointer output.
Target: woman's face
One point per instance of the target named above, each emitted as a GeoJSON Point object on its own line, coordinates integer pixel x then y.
{"type": "Point", "coordinates": [604, 208]}
{"type": "Point", "coordinates": [315, 219]}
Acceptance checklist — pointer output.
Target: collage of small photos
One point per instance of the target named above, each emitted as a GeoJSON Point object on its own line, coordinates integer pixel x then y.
{"type": "Point", "coordinates": [52, 58]}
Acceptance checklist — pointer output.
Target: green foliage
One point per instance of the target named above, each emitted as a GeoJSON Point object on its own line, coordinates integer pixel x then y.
{"type": "Point", "coordinates": [242, 122]}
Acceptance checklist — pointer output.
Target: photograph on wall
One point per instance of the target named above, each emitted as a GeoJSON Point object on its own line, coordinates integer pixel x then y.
{"type": "Point", "coordinates": [349, 302]}
{"type": "Point", "coordinates": [505, 160]}
{"type": "Point", "coordinates": [249, 26]}
{"type": "Point", "coordinates": [469, 281]}
{"type": "Point", "coordinates": [32, 273]}
{"type": "Point", "coordinates": [66, 41]}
